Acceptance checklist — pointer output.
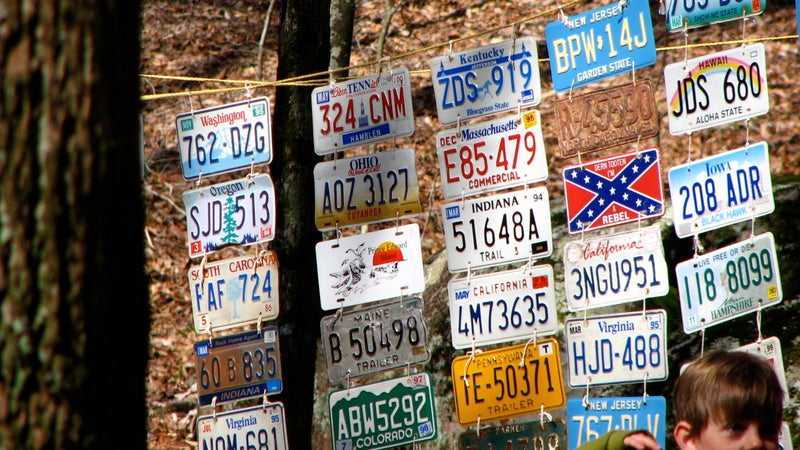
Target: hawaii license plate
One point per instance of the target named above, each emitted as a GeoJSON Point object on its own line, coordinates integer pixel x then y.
{"type": "Point", "coordinates": [730, 282]}
{"type": "Point", "coordinates": [256, 427]}
{"type": "Point", "coordinates": [516, 436]}
{"type": "Point", "coordinates": [607, 414]}
{"type": "Point", "coordinates": [685, 14]}
{"type": "Point", "coordinates": [486, 80]}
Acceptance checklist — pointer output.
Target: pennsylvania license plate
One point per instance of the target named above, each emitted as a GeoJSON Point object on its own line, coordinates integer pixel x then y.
{"type": "Point", "coordinates": [517, 436]}
{"type": "Point", "coordinates": [224, 138]}
{"type": "Point", "coordinates": [615, 413]}
{"type": "Point", "coordinates": [730, 282]}
{"type": "Point", "coordinates": [715, 89]}
{"type": "Point", "coordinates": [684, 14]}
{"type": "Point", "coordinates": [601, 43]}
{"type": "Point", "coordinates": [770, 349]}
{"type": "Point", "coordinates": [486, 80]}
{"type": "Point", "coordinates": [721, 190]}
{"type": "Point", "coordinates": [262, 426]}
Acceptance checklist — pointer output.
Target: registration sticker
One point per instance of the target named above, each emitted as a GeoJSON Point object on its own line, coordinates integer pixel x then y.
{"type": "Point", "coordinates": [523, 436]}
{"type": "Point", "coordinates": [603, 415]}
{"type": "Point", "coordinates": [770, 348]}
{"type": "Point", "coordinates": [683, 14]}
{"type": "Point", "coordinates": [262, 426]}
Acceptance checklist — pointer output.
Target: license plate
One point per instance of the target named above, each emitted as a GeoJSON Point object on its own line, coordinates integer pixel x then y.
{"type": "Point", "coordinates": [499, 229]}
{"type": "Point", "coordinates": [684, 14]}
{"type": "Point", "coordinates": [234, 292]}
{"type": "Point", "coordinates": [240, 212]}
{"type": "Point", "coordinates": [770, 349]}
{"type": "Point", "coordinates": [238, 366]}
{"type": "Point", "coordinates": [723, 87]}
{"type": "Point", "coordinates": [486, 80]}
{"type": "Point", "coordinates": [729, 282]}
{"type": "Point", "coordinates": [613, 191]}
{"type": "Point", "coordinates": [262, 426]}
{"type": "Point", "coordinates": [498, 388]}
{"type": "Point", "coordinates": [502, 306]}
{"type": "Point", "coordinates": [613, 269]}
{"type": "Point", "coordinates": [374, 339]}
{"type": "Point", "coordinates": [606, 118]}
{"type": "Point", "coordinates": [362, 111]}
{"type": "Point", "coordinates": [366, 189]}
{"type": "Point", "coordinates": [721, 190]}
{"type": "Point", "coordinates": [368, 267]}
{"type": "Point", "coordinates": [386, 414]}
{"type": "Point", "coordinates": [490, 156]}
{"type": "Point", "coordinates": [617, 348]}
{"type": "Point", "coordinates": [517, 436]}
{"type": "Point", "coordinates": [224, 138]}
{"type": "Point", "coordinates": [615, 413]}
{"type": "Point", "coordinates": [600, 43]}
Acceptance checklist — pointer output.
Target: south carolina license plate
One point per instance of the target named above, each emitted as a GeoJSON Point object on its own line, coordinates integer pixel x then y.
{"type": "Point", "coordinates": [515, 436]}
{"type": "Point", "coordinates": [257, 427]}
{"type": "Point", "coordinates": [607, 414]}
{"type": "Point", "coordinates": [684, 14]}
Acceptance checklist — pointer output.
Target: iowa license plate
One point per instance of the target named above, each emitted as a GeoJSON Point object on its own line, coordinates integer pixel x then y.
{"type": "Point", "coordinates": [615, 413]}
{"type": "Point", "coordinates": [684, 14]}
{"type": "Point", "coordinates": [262, 426]}
{"type": "Point", "coordinates": [517, 436]}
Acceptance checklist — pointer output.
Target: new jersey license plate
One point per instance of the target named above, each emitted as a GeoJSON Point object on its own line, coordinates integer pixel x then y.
{"type": "Point", "coordinates": [607, 414]}
{"type": "Point", "coordinates": [685, 14]}
{"type": "Point", "coordinates": [515, 436]}
{"type": "Point", "coordinates": [262, 426]}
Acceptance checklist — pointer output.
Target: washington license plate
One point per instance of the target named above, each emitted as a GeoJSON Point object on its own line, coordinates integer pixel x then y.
{"type": "Point", "coordinates": [607, 414]}
{"type": "Point", "coordinates": [684, 14]}
{"type": "Point", "coordinates": [515, 436]}
{"type": "Point", "coordinates": [262, 426]}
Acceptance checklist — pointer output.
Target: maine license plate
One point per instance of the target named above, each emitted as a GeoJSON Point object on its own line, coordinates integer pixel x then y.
{"type": "Point", "coordinates": [770, 349]}
{"type": "Point", "coordinates": [366, 189]}
{"type": "Point", "coordinates": [386, 414]}
{"type": "Point", "coordinates": [721, 190]}
{"type": "Point", "coordinates": [373, 339]}
{"type": "Point", "coordinates": [493, 386]}
{"type": "Point", "coordinates": [262, 426]}
{"type": "Point", "coordinates": [502, 306]}
{"type": "Point", "coordinates": [234, 292]}
{"type": "Point", "coordinates": [486, 80]}
{"type": "Point", "coordinates": [498, 229]}
{"type": "Point", "coordinates": [224, 138]}
{"type": "Point", "coordinates": [615, 413]}
{"type": "Point", "coordinates": [600, 43]}
{"type": "Point", "coordinates": [370, 266]}
{"type": "Point", "coordinates": [362, 111]}
{"type": "Point", "coordinates": [516, 436]}
{"type": "Point", "coordinates": [613, 191]}
{"type": "Point", "coordinates": [684, 14]}
{"type": "Point", "coordinates": [490, 156]}
{"type": "Point", "coordinates": [612, 269]}
{"type": "Point", "coordinates": [240, 212]}
{"type": "Point", "coordinates": [729, 282]}
{"type": "Point", "coordinates": [238, 366]}
{"type": "Point", "coordinates": [723, 87]}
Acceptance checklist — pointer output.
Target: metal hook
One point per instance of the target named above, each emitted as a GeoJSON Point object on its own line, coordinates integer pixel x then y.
{"type": "Point", "coordinates": [259, 331]}
{"type": "Point", "coordinates": [214, 408]}
{"type": "Point", "coordinates": [644, 388]}
{"type": "Point", "coordinates": [450, 51]}
{"type": "Point", "coordinates": [525, 349]}
{"type": "Point", "coordinates": [702, 336]}
{"type": "Point", "coordinates": [544, 416]}
{"type": "Point", "coordinates": [633, 68]}
{"type": "Point", "coordinates": [586, 403]}
{"type": "Point", "coordinates": [744, 23]}
{"type": "Point", "coordinates": [570, 91]}
{"type": "Point", "coordinates": [265, 403]}
{"type": "Point", "coordinates": [478, 427]}
{"type": "Point", "coordinates": [758, 323]}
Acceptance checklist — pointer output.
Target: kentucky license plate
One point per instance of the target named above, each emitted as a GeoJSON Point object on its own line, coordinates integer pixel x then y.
{"type": "Point", "coordinates": [615, 413]}
{"type": "Point", "coordinates": [224, 138]}
{"type": "Point", "coordinates": [256, 427]}
{"type": "Point", "coordinates": [684, 14]}
{"type": "Point", "coordinates": [516, 436]}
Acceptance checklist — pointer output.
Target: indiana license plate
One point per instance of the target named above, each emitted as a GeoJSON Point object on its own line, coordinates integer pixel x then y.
{"type": "Point", "coordinates": [262, 426]}
{"type": "Point", "coordinates": [607, 414]}
{"type": "Point", "coordinates": [770, 349]}
{"type": "Point", "coordinates": [685, 14]}
{"type": "Point", "coordinates": [516, 436]}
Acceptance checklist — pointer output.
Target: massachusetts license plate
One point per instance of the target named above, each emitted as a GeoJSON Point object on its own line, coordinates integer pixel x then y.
{"type": "Point", "coordinates": [723, 87]}
{"type": "Point", "coordinates": [684, 14]}
{"type": "Point", "coordinates": [240, 212]}
{"type": "Point", "coordinates": [499, 229]}
{"type": "Point", "coordinates": [502, 306]}
{"type": "Point", "coordinates": [770, 349]}
{"type": "Point", "coordinates": [362, 111]}
{"type": "Point", "coordinates": [386, 414]}
{"type": "Point", "coordinates": [224, 138]}
{"type": "Point", "coordinates": [238, 366]}
{"type": "Point", "coordinates": [497, 387]}
{"type": "Point", "coordinates": [615, 413]}
{"type": "Point", "coordinates": [366, 189]}
{"type": "Point", "coordinates": [721, 190]}
{"type": "Point", "coordinates": [729, 282]}
{"type": "Point", "coordinates": [613, 191]}
{"type": "Point", "coordinates": [516, 436]}
{"type": "Point", "coordinates": [262, 426]}
{"type": "Point", "coordinates": [600, 43]}
{"type": "Point", "coordinates": [486, 80]}
{"type": "Point", "coordinates": [612, 269]}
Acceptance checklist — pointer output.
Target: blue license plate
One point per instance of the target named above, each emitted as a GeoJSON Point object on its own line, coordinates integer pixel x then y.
{"type": "Point", "coordinates": [684, 14]}
{"type": "Point", "coordinates": [615, 413]}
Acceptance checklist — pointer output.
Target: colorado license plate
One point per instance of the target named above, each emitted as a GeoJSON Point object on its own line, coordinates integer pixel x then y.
{"type": "Point", "coordinates": [262, 426]}
{"type": "Point", "coordinates": [615, 413]}
{"type": "Point", "coordinates": [684, 14]}
{"type": "Point", "coordinates": [516, 436]}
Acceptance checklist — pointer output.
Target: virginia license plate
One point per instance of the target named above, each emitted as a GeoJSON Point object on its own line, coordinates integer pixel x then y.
{"type": "Point", "coordinates": [224, 138]}
{"type": "Point", "coordinates": [730, 282]}
{"type": "Point", "coordinates": [770, 349]}
{"type": "Point", "coordinates": [615, 413]}
{"type": "Point", "coordinates": [684, 14]}
{"type": "Point", "coordinates": [517, 436]}
{"type": "Point", "coordinates": [486, 80]}
{"type": "Point", "coordinates": [262, 426]}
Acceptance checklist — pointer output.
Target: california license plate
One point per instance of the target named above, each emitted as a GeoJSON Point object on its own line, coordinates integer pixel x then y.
{"type": "Point", "coordinates": [262, 426]}
{"type": "Point", "coordinates": [516, 436]}
{"type": "Point", "coordinates": [770, 349]}
{"type": "Point", "coordinates": [684, 14]}
{"type": "Point", "coordinates": [607, 414]}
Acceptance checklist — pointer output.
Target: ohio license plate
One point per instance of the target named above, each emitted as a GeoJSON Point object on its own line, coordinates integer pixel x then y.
{"type": "Point", "coordinates": [240, 212]}
{"type": "Point", "coordinates": [369, 340]}
{"type": "Point", "coordinates": [496, 387]}
{"type": "Point", "coordinates": [486, 80]}
{"type": "Point", "coordinates": [224, 138]}
{"type": "Point", "coordinates": [238, 366]}
{"type": "Point", "coordinates": [617, 348]}
{"type": "Point", "coordinates": [770, 349]}
{"type": "Point", "coordinates": [262, 426]}
{"type": "Point", "coordinates": [721, 190]}
{"type": "Point", "coordinates": [499, 229]}
{"type": "Point", "coordinates": [517, 436]}
{"type": "Point", "coordinates": [502, 306]}
{"type": "Point", "coordinates": [600, 43]}
{"type": "Point", "coordinates": [729, 282]}
{"type": "Point", "coordinates": [684, 14]}
{"type": "Point", "coordinates": [362, 111]}
{"type": "Point", "coordinates": [615, 413]}
{"type": "Point", "coordinates": [386, 414]}
{"type": "Point", "coordinates": [723, 87]}
{"type": "Point", "coordinates": [612, 269]}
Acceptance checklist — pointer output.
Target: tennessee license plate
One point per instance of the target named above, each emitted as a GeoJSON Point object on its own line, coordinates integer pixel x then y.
{"type": "Point", "coordinates": [721, 190]}
{"type": "Point", "coordinates": [516, 436]}
{"type": "Point", "coordinates": [615, 413]}
{"type": "Point", "coordinates": [224, 138]}
{"type": "Point", "coordinates": [770, 349]}
{"type": "Point", "coordinates": [730, 282]}
{"type": "Point", "coordinates": [715, 89]}
{"type": "Point", "coordinates": [684, 14]}
{"type": "Point", "coordinates": [362, 111]}
{"type": "Point", "coordinates": [262, 426]}
{"type": "Point", "coordinates": [486, 80]}
{"type": "Point", "coordinates": [600, 43]}
{"type": "Point", "coordinates": [240, 212]}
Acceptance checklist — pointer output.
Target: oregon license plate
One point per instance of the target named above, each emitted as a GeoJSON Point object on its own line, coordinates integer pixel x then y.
{"type": "Point", "coordinates": [491, 385]}
{"type": "Point", "coordinates": [486, 80]}
{"type": "Point", "coordinates": [729, 282]}
{"type": "Point", "coordinates": [715, 89]}
{"type": "Point", "coordinates": [516, 436]}
{"type": "Point", "coordinates": [721, 190]}
{"type": "Point", "coordinates": [770, 349]}
{"type": "Point", "coordinates": [239, 212]}
{"type": "Point", "coordinates": [684, 14]}
{"type": "Point", "coordinates": [262, 426]}
{"type": "Point", "coordinates": [607, 414]}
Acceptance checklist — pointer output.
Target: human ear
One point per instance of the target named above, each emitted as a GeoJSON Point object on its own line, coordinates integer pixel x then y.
{"type": "Point", "coordinates": [683, 435]}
